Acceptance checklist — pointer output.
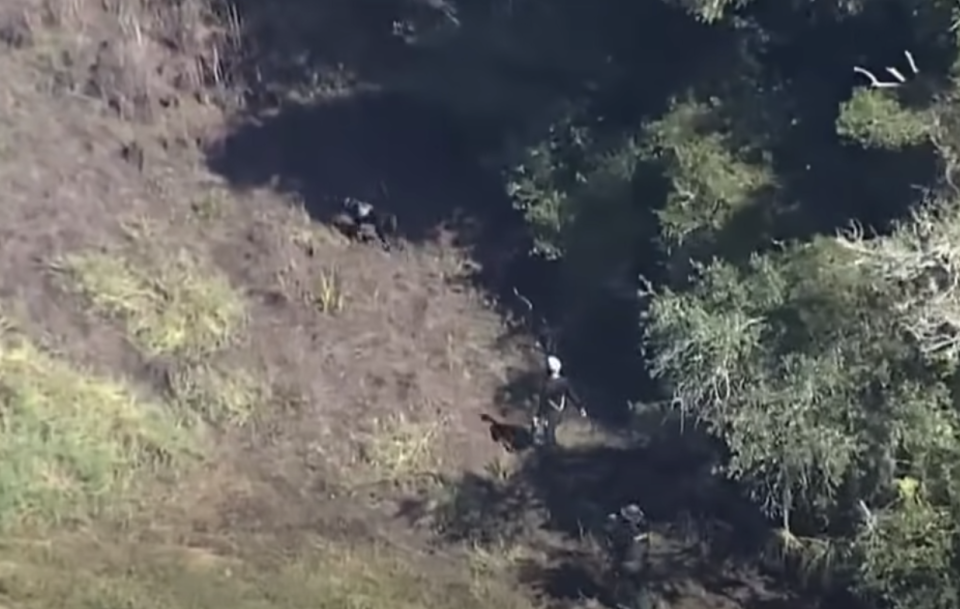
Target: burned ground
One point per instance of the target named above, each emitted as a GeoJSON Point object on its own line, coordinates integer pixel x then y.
{"type": "Point", "coordinates": [221, 400]}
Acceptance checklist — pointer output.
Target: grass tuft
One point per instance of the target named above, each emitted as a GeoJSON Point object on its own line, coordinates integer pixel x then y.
{"type": "Point", "coordinates": [172, 306]}
{"type": "Point", "coordinates": [328, 293]}
{"type": "Point", "coordinates": [209, 208]}
{"type": "Point", "coordinates": [217, 395]}
{"type": "Point", "coordinates": [70, 441]}
{"type": "Point", "coordinates": [496, 558]}
{"type": "Point", "coordinates": [399, 448]}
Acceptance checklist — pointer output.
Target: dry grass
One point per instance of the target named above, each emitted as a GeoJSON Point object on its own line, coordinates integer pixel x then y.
{"type": "Point", "coordinates": [71, 441]}
{"type": "Point", "coordinates": [78, 571]}
{"type": "Point", "coordinates": [500, 468]}
{"type": "Point", "coordinates": [309, 236]}
{"type": "Point", "coordinates": [171, 305]}
{"type": "Point", "coordinates": [130, 53]}
{"type": "Point", "coordinates": [322, 289]}
{"type": "Point", "coordinates": [497, 558]}
{"type": "Point", "coordinates": [219, 395]}
{"type": "Point", "coordinates": [399, 448]}
{"type": "Point", "coordinates": [328, 294]}
{"type": "Point", "coordinates": [208, 208]}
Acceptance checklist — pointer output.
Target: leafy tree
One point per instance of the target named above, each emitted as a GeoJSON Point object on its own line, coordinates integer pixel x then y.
{"type": "Point", "coordinates": [826, 363]}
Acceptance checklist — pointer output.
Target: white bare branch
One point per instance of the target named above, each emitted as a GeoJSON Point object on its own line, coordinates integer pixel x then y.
{"type": "Point", "coordinates": [526, 301]}
{"type": "Point", "coordinates": [899, 78]}
{"type": "Point", "coordinates": [874, 81]}
{"type": "Point", "coordinates": [867, 517]}
{"type": "Point", "coordinates": [913, 64]}
{"type": "Point", "coordinates": [896, 74]}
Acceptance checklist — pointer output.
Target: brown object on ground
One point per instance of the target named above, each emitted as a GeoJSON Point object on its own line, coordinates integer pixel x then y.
{"type": "Point", "coordinates": [512, 437]}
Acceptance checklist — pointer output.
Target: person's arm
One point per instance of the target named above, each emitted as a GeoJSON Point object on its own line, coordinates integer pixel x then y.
{"type": "Point", "coordinates": [575, 398]}
{"type": "Point", "coordinates": [543, 397]}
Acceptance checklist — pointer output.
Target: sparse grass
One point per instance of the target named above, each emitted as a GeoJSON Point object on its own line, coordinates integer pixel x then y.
{"type": "Point", "coordinates": [152, 46]}
{"type": "Point", "coordinates": [208, 208]}
{"type": "Point", "coordinates": [78, 571]}
{"type": "Point", "coordinates": [496, 558]}
{"type": "Point", "coordinates": [218, 395]}
{"type": "Point", "coordinates": [70, 441]}
{"type": "Point", "coordinates": [322, 291]}
{"type": "Point", "coordinates": [170, 306]}
{"type": "Point", "coordinates": [328, 293]}
{"type": "Point", "coordinates": [399, 448]}
{"type": "Point", "coordinates": [499, 469]}
{"type": "Point", "coordinates": [310, 237]}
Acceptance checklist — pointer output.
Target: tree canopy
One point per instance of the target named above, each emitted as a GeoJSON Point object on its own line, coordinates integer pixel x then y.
{"type": "Point", "coordinates": [792, 230]}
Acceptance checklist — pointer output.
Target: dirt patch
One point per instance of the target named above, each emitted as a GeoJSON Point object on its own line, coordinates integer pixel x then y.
{"type": "Point", "coordinates": [377, 344]}
{"type": "Point", "coordinates": [326, 380]}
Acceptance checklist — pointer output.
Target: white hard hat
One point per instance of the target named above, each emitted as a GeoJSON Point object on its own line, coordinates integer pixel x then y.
{"type": "Point", "coordinates": [553, 364]}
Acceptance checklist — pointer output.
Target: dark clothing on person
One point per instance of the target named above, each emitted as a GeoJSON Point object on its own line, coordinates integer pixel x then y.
{"type": "Point", "coordinates": [364, 216]}
{"type": "Point", "coordinates": [371, 223]}
{"type": "Point", "coordinates": [555, 395]}
{"type": "Point", "coordinates": [545, 428]}
{"type": "Point", "coordinates": [630, 548]}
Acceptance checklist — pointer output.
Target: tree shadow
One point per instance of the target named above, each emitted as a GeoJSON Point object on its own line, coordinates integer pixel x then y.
{"type": "Point", "coordinates": [405, 104]}
{"type": "Point", "coordinates": [571, 576]}
{"type": "Point", "coordinates": [705, 530]}
{"type": "Point", "coordinates": [479, 509]}
{"type": "Point", "coordinates": [406, 157]}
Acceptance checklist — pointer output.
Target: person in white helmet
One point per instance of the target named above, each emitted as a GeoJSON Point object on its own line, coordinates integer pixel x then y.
{"type": "Point", "coordinates": [362, 221]}
{"type": "Point", "coordinates": [555, 394]}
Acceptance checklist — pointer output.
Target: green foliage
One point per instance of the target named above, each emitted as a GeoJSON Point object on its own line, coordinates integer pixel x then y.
{"type": "Point", "coordinates": [800, 362]}
{"type": "Point", "coordinates": [72, 443]}
{"type": "Point", "coordinates": [576, 190]}
{"type": "Point", "coordinates": [710, 11]}
{"type": "Point", "coordinates": [607, 221]}
{"type": "Point", "coordinates": [747, 354]}
{"type": "Point", "coordinates": [827, 366]}
{"type": "Point", "coordinates": [543, 179]}
{"type": "Point", "coordinates": [715, 11]}
{"type": "Point", "coordinates": [908, 560]}
{"type": "Point", "coordinates": [874, 118]}
{"type": "Point", "coordinates": [920, 262]}
{"type": "Point", "coordinates": [712, 178]}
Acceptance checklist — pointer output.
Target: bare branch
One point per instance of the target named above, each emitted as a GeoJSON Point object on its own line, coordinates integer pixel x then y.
{"type": "Point", "coordinates": [523, 299]}
{"type": "Point", "coordinates": [896, 74]}
{"type": "Point", "coordinates": [874, 81]}
{"type": "Point", "coordinates": [867, 517]}
{"type": "Point", "coordinates": [899, 78]}
{"type": "Point", "coordinates": [913, 64]}
{"type": "Point", "coordinates": [543, 333]}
